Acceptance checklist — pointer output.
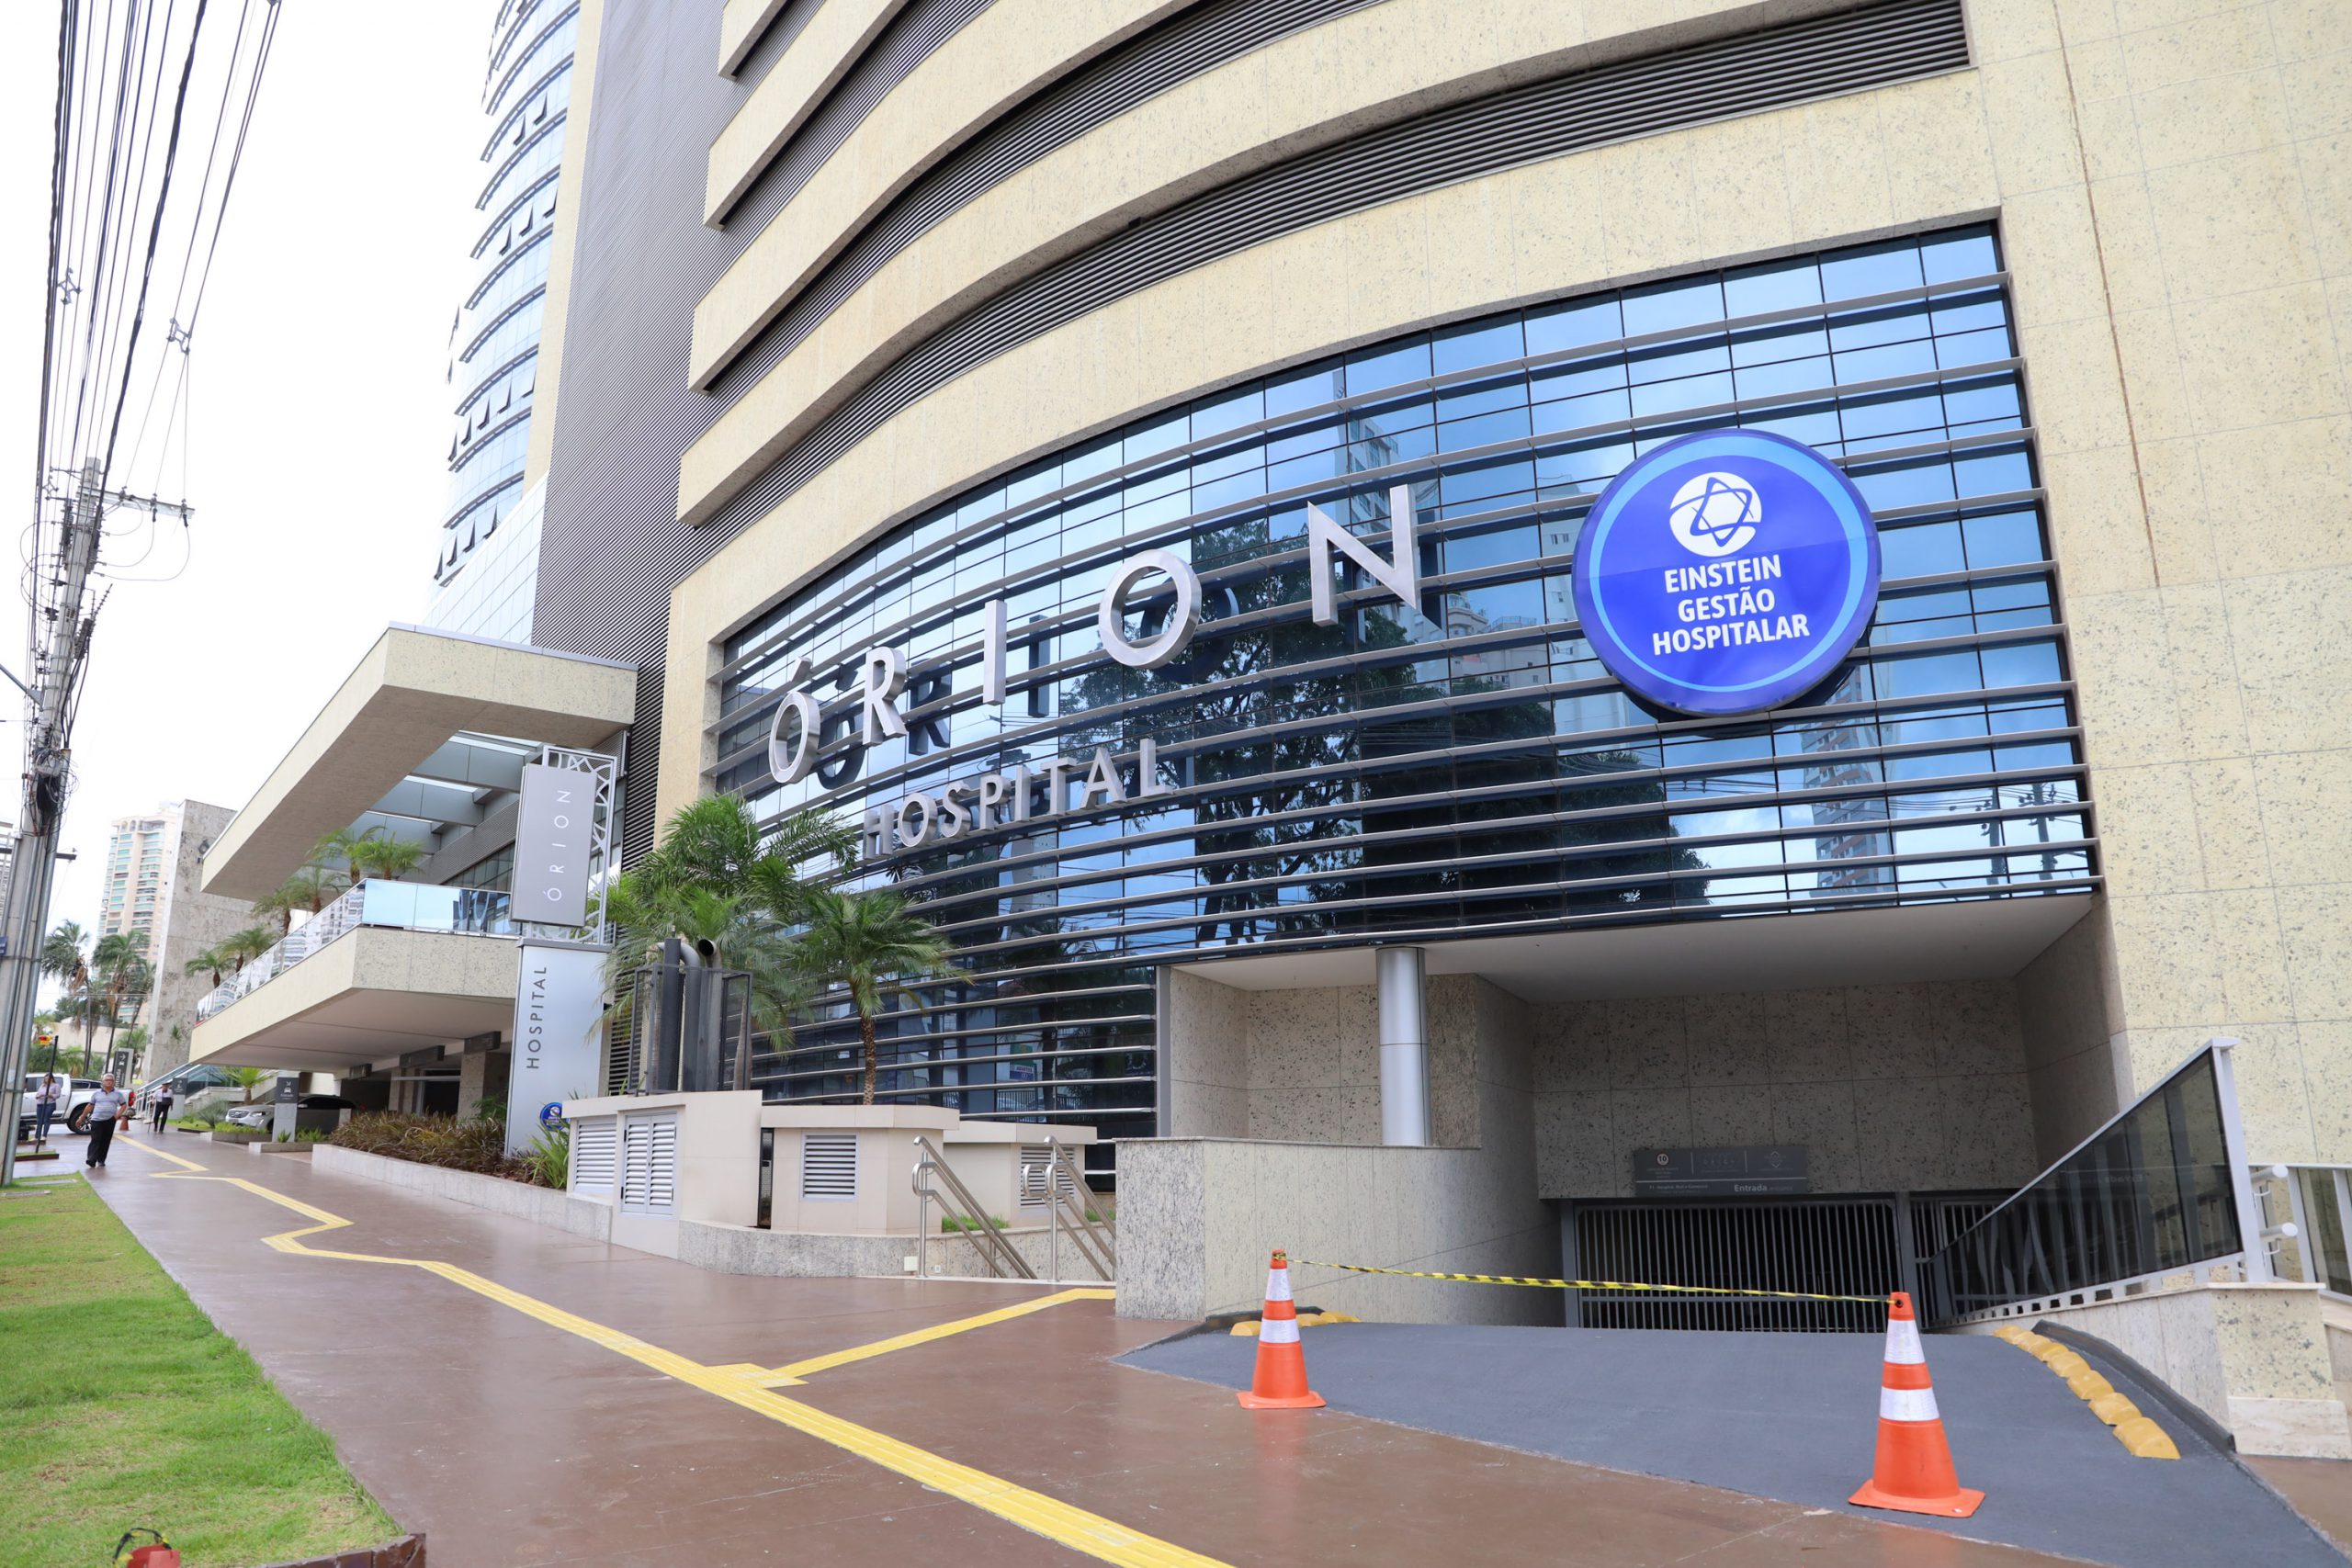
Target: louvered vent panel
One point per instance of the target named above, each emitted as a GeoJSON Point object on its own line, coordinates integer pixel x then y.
{"type": "Point", "coordinates": [1035, 1161]}
{"type": "Point", "coordinates": [649, 1163]}
{"type": "Point", "coordinates": [595, 1154]}
{"type": "Point", "coordinates": [829, 1166]}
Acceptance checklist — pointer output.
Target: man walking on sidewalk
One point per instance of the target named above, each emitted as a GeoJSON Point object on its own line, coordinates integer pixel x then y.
{"type": "Point", "coordinates": [160, 1094]}
{"type": "Point", "coordinates": [104, 1107]}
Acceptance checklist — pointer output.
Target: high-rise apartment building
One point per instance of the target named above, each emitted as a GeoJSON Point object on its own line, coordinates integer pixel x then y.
{"type": "Point", "coordinates": [137, 874]}
{"type": "Point", "coordinates": [494, 340]}
{"type": "Point", "coordinates": [153, 887]}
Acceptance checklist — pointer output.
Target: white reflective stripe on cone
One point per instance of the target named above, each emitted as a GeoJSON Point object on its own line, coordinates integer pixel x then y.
{"type": "Point", "coordinates": [1278, 1284]}
{"type": "Point", "coordinates": [1898, 1403]}
{"type": "Point", "coordinates": [1903, 1343]}
{"type": "Point", "coordinates": [1285, 1331]}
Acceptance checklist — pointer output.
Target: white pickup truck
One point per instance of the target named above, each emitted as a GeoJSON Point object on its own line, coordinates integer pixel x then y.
{"type": "Point", "coordinates": [73, 1108]}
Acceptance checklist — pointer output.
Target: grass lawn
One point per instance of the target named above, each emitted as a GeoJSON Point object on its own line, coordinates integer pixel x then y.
{"type": "Point", "coordinates": [121, 1406]}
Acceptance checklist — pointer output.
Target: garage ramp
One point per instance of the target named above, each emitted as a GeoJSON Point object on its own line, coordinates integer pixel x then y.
{"type": "Point", "coordinates": [1794, 1416]}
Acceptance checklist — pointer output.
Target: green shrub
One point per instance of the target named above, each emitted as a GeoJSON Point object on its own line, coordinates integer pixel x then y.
{"type": "Point", "coordinates": [473, 1144]}
{"type": "Point", "coordinates": [309, 1135]}
{"type": "Point", "coordinates": [955, 1222]}
{"type": "Point", "coordinates": [550, 1157]}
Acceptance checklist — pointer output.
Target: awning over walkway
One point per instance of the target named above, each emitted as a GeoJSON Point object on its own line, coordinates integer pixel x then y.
{"type": "Point", "coordinates": [412, 693]}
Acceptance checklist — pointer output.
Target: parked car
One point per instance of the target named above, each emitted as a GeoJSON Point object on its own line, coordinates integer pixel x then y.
{"type": "Point", "coordinates": [74, 1112]}
{"type": "Point", "coordinates": [262, 1115]}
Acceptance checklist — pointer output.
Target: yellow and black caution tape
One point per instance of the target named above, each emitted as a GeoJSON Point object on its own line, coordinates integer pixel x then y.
{"type": "Point", "coordinates": [1592, 1284]}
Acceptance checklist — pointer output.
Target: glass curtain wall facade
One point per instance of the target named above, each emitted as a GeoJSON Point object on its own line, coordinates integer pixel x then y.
{"type": "Point", "coordinates": [1465, 766]}
{"type": "Point", "coordinates": [494, 341]}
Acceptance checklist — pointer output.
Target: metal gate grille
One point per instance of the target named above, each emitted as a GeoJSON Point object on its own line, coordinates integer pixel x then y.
{"type": "Point", "coordinates": [1834, 1247]}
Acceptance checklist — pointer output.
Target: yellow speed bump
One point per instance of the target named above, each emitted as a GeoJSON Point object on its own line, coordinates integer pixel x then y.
{"type": "Point", "coordinates": [2089, 1385]}
{"type": "Point", "coordinates": [2145, 1438]}
{"type": "Point", "coordinates": [2142, 1437]}
{"type": "Point", "coordinates": [2113, 1409]}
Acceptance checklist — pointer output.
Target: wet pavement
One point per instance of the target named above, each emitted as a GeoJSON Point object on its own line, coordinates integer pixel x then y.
{"type": "Point", "coordinates": [1794, 1416]}
{"type": "Point", "coordinates": [537, 1398]}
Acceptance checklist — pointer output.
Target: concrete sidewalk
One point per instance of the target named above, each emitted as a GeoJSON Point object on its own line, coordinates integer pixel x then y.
{"type": "Point", "coordinates": [624, 1429]}
{"type": "Point", "coordinates": [1794, 1416]}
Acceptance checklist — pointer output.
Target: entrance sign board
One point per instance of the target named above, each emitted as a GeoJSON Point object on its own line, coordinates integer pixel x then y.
{"type": "Point", "coordinates": [554, 831]}
{"type": "Point", "coordinates": [558, 1032]}
{"type": "Point", "coordinates": [1754, 1170]}
{"type": "Point", "coordinates": [1726, 572]}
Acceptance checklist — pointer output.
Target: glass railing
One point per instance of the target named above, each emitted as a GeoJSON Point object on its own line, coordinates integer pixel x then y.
{"type": "Point", "coordinates": [402, 906]}
{"type": "Point", "coordinates": [2160, 1191]}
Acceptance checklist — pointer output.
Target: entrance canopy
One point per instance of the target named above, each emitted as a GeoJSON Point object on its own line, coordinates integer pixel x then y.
{"type": "Point", "coordinates": [387, 743]}
{"type": "Point", "coordinates": [1971, 940]}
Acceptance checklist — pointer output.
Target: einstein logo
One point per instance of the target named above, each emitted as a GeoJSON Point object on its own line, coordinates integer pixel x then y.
{"type": "Point", "coordinates": [1714, 515]}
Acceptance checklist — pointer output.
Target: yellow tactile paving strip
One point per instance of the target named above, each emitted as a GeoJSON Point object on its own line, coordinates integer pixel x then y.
{"type": "Point", "coordinates": [748, 1386]}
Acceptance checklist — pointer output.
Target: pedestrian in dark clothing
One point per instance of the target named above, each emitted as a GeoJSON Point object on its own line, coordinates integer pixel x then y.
{"type": "Point", "coordinates": [105, 1106]}
{"type": "Point", "coordinates": [162, 1094]}
{"type": "Point", "coordinates": [47, 1103]}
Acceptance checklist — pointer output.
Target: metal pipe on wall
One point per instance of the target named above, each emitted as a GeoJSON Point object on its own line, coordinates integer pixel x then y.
{"type": "Point", "coordinates": [1404, 1048]}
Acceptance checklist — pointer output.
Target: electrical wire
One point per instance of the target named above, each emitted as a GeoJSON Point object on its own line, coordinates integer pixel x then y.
{"type": "Point", "coordinates": [155, 227]}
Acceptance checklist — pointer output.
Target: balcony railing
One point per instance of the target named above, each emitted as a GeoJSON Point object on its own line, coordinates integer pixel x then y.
{"type": "Point", "coordinates": [2160, 1196]}
{"type": "Point", "coordinates": [400, 906]}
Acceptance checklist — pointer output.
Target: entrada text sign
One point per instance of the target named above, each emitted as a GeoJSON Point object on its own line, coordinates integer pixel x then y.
{"type": "Point", "coordinates": [1726, 572]}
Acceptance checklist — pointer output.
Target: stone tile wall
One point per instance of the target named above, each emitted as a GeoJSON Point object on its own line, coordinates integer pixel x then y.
{"type": "Point", "coordinates": [1923, 1087]}
{"type": "Point", "coordinates": [1198, 1216]}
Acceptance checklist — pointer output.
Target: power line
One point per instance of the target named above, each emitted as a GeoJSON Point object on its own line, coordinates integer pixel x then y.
{"type": "Point", "coordinates": [154, 231]}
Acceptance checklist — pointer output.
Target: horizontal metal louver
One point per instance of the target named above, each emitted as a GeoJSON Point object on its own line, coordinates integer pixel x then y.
{"type": "Point", "coordinates": [595, 1155]}
{"type": "Point", "coordinates": [649, 1163]}
{"type": "Point", "coordinates": [828, 1165]}
{"type": "Point", "coordinates": [1851, 52]}
{"type": "Point", "coordinates": [1177, 50]}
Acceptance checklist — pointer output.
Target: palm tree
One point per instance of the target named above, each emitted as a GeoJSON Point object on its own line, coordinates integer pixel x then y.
{"type": "Point", "coordinates": [716, 843]}
{"type": "Point", "coordinates": [241, 948]}
{"type": "Point", "coordinates": [873, 944]}
{"type": "Point", "coordinates": [393, 858]}
{"type": "Point", "coordinates": [211, 962]}
{"type": "Point", "coordinates": [74, 1009]}
{"type": "Point", "coordinates": [249, 1079]}
{"type": "Point", "coordinates": [309, 890]}
{"type": "Point", "coordinates": [65, 956]}
{"type": "Point", "coordinates": [119, 964]}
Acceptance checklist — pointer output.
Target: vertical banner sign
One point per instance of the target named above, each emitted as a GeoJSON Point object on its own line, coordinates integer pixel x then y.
{"type": "Point", "coordinates": [558, 1035]}
{"type": "Point", "coordinates": [554, 831]}
{"type": "Point", "coordinates": [1726, 572]}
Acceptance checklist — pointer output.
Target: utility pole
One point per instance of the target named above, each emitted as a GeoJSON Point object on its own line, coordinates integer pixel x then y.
{"type": "Point", "coordinates": [49, 758]}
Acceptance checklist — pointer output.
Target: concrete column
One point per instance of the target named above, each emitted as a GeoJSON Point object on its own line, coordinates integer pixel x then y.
{"type": "Point", "coordinates": [1404, 1048]}
{"type": "Point", "coordinates": [473, 1076]}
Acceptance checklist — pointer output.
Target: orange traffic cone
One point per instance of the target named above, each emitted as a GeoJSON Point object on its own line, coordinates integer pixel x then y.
{"type": "Point", "coordinates": [1280, 1380]}
{"type": "Point", "coordinates": [1914, 1472]}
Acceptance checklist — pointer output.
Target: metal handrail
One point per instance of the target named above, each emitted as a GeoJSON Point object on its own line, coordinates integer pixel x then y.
{"type": "Point", "coordinates": [1095, 1239]}
{"type": "Point", "coordinates": [1002, 1260]}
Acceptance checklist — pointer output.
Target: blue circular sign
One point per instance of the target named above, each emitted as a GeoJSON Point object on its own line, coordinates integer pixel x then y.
{"type": "Point", "coordinates": [552, 1114]}
{"type": "Point", "coordinates": [1726, 572]}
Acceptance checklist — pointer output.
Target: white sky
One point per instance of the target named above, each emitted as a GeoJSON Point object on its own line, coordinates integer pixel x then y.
{"type": "Point", "coordinates": [320, 419]}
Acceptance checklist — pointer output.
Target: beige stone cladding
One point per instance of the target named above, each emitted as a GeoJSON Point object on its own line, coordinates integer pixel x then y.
{"type": "Point", "coordinates": [1303, 1067]}
{"type": "Point", "coordinates": [192, 922]}
{"type": "Point", "coordinates": [2254, 1357]}
{"type": "Point", "coordinates": [1891, 1088]}
{"type": "Point", "coordinates": [1198, 1216]}
{"type": "Point", "coordinates": [2184, 287]}
{"type": "Point", "coordinates": [1213, 128]}
{"type": "Point", "coordinates": [2172, 183]}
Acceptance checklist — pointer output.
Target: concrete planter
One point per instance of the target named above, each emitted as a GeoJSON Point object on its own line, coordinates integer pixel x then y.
{"type": "Point", "coordinates": [274, 1148]}
{"type": "Point", "coordinates": [542, 1205]}
{"type": "Point", "coordinates": [220, 1137]}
